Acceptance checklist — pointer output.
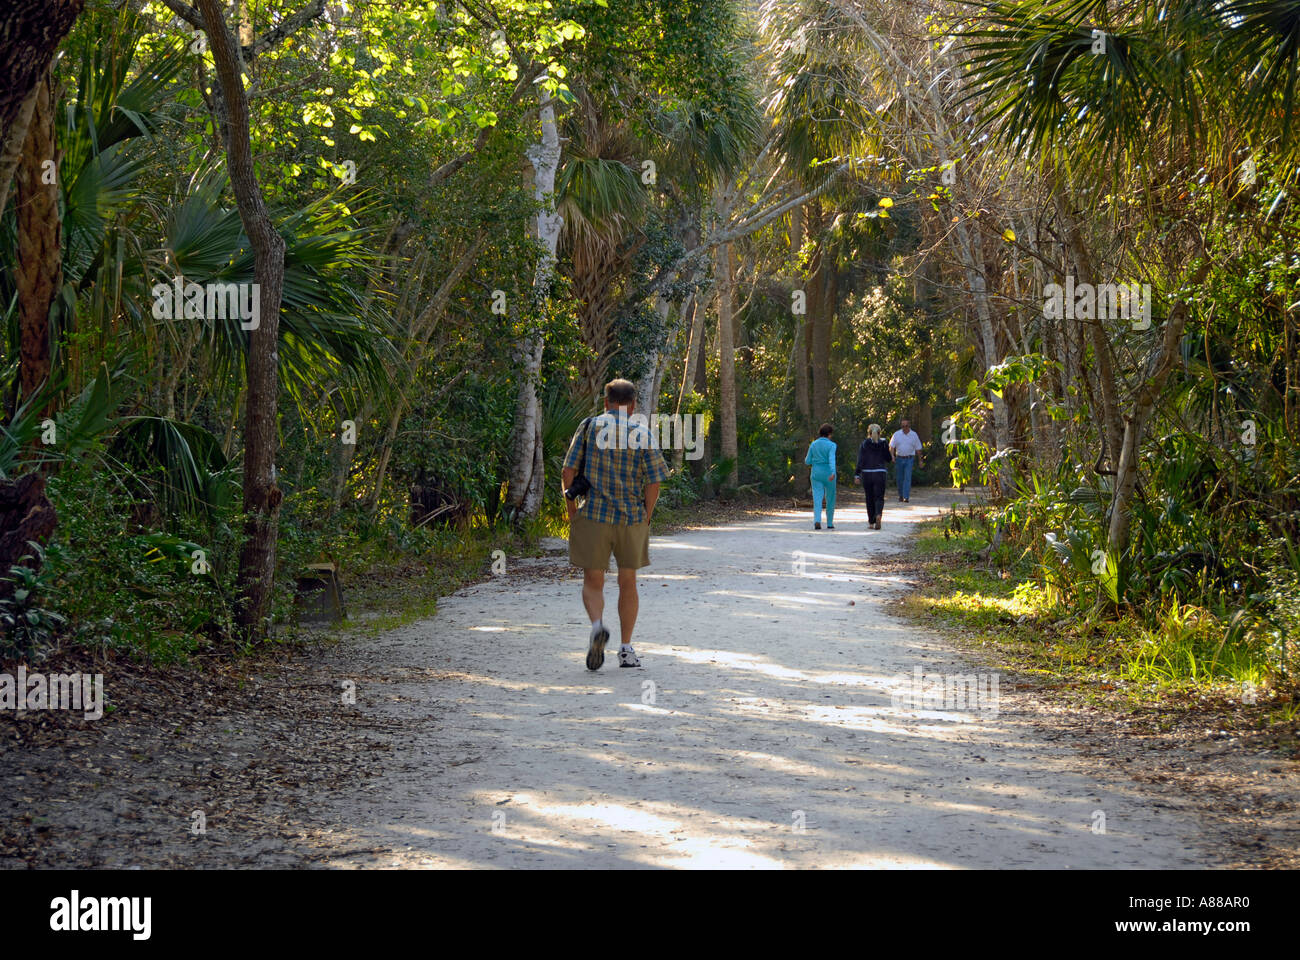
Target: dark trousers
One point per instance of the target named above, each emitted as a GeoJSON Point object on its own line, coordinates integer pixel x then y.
{"type": "Point", "coordinates": [873, 483]}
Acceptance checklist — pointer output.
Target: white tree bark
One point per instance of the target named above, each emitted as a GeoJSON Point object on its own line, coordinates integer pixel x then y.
{"type": "Point", "coordinates": [684, 313]}
{"type": "Point", "coordinates": [527, 466]}
{"type": "Point", "coordinates": [693, 348]}
{"type": "Point", "coordinates": [647, 391]}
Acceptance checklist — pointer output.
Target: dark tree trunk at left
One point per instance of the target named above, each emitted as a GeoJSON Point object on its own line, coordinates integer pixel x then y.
{"type": "Point", "coordinates": [40, 260]}
{"type": "Point", "coordinates": [30, 32]}
{"type": "Point", "coordinates": [26, 514]}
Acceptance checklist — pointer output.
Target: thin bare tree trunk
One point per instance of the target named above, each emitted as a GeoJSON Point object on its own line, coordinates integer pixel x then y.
{"type": "Point", "coordinates": [799, 350]}
{"type": "Point", "coordinates": [1038, 438]}
{"type": "Point", "coordinates": [418, 333]}
{"type": "Point", "coordinates": [256, 578]}
{"type": "Point", "coordinates": [700, 466]}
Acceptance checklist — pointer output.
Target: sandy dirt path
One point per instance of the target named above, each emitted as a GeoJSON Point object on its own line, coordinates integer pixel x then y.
{"type": "Point", "coordinates": [761, 732]}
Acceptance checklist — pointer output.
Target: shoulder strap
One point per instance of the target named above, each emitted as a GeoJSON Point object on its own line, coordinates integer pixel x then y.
{"type": "Point", "coordinates": [586, 432]}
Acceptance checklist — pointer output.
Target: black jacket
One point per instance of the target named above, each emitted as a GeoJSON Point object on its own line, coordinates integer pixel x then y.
{"type": "Point", "coordinates": [873, 455]}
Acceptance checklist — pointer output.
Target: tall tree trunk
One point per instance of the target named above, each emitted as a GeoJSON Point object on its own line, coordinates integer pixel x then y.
{"type": "Point", "coordinates": [802, 331]}
{"type": "Point", "coordinates": [819, 313]}
{"type": "Point", "coordinates": [726, 346]}
{"type": "Point", "coordinates": [1022, 346]}
{"type": "Point", "coordinates": [688, 228]}
{"type": "Point", "coordinates": [256, 578]}
{"type": "Point", "coordinates": [26, 513]}
{"type": "Point", "coordinates": [527, 467]}
{"type": "Point", "coordinates": [40, 259]}
{"type": "Point", "coordinates": [925, 296]}
{"type": "Point", "coordinates": [830, 299]}
{"type": "Point", "coordinates": [386, 452]}
{"type": "Point", "coordinates": [702, 361]}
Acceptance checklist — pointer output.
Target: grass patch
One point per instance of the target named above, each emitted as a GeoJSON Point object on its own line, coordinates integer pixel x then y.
{"type": "Point", "coordinates": [1173, 664]}
{"type": "Point", "coordinates": [385, 591]}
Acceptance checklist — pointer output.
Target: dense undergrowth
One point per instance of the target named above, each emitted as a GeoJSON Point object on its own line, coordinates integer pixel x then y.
{"type": "Point", "coordinates": [112, 583]}
{"type": "Point", "coordinates": [1036, 614]}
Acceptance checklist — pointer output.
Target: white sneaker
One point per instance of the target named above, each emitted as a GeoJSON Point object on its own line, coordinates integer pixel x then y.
{"type": "Point", "coordinates": [627, 657]}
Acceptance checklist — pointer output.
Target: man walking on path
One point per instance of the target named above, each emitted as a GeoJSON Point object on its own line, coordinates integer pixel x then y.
{"type": "Point", "coordinates": [873, 457]}
{"type": "Point", "coordinates": [905, 446]}
{"type": "Point", "coordinates": [623, 470]}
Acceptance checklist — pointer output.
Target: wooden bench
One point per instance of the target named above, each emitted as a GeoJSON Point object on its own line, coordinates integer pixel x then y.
{"type": "Point", "coordinates": [319, 597]}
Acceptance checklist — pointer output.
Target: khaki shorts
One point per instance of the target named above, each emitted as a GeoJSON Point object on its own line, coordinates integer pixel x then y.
{"type": "Point", "coordinates": [590, 544]}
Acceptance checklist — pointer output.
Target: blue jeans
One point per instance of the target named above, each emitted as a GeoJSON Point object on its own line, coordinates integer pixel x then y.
{"type": "Point", "coordinates": [905, 476]}
{"type": "Point", "coordinates": [823, 489]}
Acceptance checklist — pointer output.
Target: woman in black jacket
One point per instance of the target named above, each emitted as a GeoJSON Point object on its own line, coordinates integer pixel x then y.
{"type": "Point", "coordinates": [873, 457]}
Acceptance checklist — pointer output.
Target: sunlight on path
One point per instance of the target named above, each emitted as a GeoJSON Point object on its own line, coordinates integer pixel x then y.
{"type": "Point", "coordinates": [766, 730]}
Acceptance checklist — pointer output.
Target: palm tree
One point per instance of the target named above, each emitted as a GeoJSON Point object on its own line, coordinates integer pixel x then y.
{"type": "Point", "coordinates": [603, 201]}
{"type": "Point", "coordinates": [1097, 93]}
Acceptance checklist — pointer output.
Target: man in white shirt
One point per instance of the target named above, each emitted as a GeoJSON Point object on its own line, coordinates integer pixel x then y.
{"type": "Point", "coordinates": [906, 446]}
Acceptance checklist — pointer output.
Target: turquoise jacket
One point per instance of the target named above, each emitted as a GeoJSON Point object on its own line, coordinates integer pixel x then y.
{"type": "Point", "coordinates": [821, 457]}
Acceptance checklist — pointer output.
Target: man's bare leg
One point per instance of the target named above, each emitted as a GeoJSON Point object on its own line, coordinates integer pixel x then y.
{"type": "Point", "coordinates": [628, 602]}
{"type": "Point", "coordinates": [593, 593]}
{"type": "Point", "coordinates": [593, 598]}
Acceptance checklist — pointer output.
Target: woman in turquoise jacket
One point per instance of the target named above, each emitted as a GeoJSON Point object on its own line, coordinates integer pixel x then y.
{"type": "Point", "coordinates": [821, 457]}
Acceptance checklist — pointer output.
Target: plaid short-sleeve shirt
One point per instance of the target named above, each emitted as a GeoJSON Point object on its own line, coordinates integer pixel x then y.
{"type": "Point", "coordinates": [622, 457]}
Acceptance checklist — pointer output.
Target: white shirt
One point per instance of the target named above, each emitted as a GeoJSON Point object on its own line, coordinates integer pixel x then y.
{"type": "Point", "coordinates": [905, 444]}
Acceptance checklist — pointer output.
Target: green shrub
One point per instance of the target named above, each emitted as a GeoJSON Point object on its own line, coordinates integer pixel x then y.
{"type": "Point", "coordinates": [124, 586]}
